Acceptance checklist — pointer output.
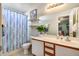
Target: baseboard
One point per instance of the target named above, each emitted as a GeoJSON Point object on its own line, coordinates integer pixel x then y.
{"type": "Point", "coordinates": [12, 53]}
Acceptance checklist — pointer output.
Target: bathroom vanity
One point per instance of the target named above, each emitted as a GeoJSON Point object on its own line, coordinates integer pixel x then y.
{"type": "Point", "coordinates": [48, 45]}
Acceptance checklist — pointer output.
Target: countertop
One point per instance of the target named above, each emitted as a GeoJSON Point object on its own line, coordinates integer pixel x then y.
{"type": "Point", "coordinates": [53, 39]}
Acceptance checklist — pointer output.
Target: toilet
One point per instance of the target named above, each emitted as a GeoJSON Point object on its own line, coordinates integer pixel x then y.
{"type": "Point", "coordinates": [25, 47]}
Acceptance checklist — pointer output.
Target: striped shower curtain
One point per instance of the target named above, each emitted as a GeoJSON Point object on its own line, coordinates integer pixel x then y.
{"type": "Point", "coordinates": [15, 30]}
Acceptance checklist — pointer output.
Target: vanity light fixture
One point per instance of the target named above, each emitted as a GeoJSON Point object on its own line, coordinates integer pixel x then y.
{"type": "Point", "coordinates": [54, 5]}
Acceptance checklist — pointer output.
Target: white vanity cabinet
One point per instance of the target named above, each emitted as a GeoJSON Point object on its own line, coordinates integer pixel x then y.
{"type": "Point", "coordinates": [64, 51]}
{"type": "Point", "coordinates": [37, 48]}
{"type": "Point", "coordinates": [41, 48]}
{"type": "Point", "coordinates": [49, 47]}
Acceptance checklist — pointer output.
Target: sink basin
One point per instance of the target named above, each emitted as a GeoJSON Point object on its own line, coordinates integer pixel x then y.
{"type": "Point", "coordinates": [75, 41]}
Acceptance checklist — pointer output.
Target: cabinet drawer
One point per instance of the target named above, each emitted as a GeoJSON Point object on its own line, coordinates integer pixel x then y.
{"type": "Point", "coordinates": [46, 54]}
{"type": "Point", "coordinates": [49, 45]}
{"type": "Point", "coordinates": [49, 54]}
{"type": "Point", "coordinates": [49, 50]}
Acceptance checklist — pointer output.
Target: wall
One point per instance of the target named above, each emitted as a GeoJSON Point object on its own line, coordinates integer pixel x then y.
{"type": "Point", "coordinates": [52, 20]}
{"type": "Point", "coordinates": [0, 25]}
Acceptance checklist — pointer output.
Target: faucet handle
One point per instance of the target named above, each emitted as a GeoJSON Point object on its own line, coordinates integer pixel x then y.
{"type": "Point", "coordinates": [57, 36]}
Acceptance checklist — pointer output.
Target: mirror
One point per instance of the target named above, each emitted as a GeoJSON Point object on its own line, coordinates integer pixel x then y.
{"type": "Point", "coordinates": [63, 26]}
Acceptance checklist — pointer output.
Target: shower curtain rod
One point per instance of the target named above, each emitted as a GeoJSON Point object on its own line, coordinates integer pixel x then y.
{"type": "Point", "coordinates": [14, 10]}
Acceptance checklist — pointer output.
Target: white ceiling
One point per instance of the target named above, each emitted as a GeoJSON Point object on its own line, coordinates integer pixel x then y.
{"type": "Point", "coordinates": [26, 7]}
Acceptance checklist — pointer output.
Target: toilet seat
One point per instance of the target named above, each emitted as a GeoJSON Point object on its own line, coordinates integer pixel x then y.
{"type": "Point", "coordinates": [26, 45]}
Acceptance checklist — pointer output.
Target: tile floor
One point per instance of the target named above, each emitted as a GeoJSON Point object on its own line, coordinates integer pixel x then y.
{"type": "Point", "coordinates": [22, 54]}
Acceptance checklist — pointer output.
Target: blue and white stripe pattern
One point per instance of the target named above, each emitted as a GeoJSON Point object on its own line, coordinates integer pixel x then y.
{"type": "Point", "coordinates": [15, 30]}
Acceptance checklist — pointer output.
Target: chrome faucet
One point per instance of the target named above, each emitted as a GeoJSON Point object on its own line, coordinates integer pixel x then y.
{"type": "Point", "coordinates": [67, 38]}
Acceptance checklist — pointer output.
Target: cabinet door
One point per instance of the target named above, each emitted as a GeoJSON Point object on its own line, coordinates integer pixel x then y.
{"type": "Point", "coordinates": [37, 48]}
{"type": "Point", "coordinates": [64, 51]}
